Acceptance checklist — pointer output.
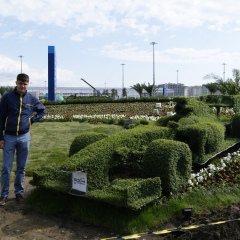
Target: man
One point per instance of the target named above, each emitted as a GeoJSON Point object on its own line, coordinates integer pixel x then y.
{"type": "Point", "coordinates": [18, 111]}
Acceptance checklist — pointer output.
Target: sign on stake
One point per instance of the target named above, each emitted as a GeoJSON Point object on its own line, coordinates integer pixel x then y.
{"type": "Point", "coordinates": [79, 183]}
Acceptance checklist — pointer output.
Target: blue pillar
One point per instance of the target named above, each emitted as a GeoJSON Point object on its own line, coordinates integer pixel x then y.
{"type": "Point", "coordinates": [51, 73]}
{"type": "Point", "coordinates": [164, 90]}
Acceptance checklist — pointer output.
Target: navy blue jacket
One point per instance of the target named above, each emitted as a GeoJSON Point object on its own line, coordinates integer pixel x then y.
{"type": "Point", "coordinates": [18, 112]}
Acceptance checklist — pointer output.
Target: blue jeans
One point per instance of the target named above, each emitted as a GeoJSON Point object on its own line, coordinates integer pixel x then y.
{"type": "Point", "coordinates": [20, 144]}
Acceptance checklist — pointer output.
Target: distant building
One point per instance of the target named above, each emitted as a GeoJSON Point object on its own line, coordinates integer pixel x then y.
{"type": "Point", "coordinates": [171, 90]}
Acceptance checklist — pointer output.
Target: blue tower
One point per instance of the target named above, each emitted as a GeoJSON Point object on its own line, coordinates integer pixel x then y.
{"type": "Point", "coordinates": [51, 73]}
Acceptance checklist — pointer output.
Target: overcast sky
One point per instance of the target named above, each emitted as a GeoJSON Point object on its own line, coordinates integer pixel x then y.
{"type": "Point", "coordinates": [92, 38]}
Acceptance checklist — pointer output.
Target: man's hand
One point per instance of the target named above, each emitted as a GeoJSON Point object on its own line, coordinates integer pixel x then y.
{"type": "Point", "coordinates": [1, 144]}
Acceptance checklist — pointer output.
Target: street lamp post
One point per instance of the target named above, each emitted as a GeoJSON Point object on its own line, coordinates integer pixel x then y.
{"type": "Point", "coordinates": [153, 43]}
{"type": "Point", "coordinates": [224, 71]}
{"type": "Point", "coordinates": [177, 81]}
{"type": "Point", "coordinates": [122, 77]}
{"type": "Point", "coordinates": [21, 61]}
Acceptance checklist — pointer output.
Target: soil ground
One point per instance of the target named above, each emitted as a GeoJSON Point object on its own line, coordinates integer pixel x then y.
{"type": "Point", "coordinates": [15, 223]}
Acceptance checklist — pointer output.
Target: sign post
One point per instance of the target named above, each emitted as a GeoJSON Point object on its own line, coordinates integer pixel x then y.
{"type": "Point", "coordinates": [79, 182]}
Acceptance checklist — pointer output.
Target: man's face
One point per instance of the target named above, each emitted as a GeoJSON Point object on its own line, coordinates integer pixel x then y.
{"type": "Point", "coordinates": [21, 87]}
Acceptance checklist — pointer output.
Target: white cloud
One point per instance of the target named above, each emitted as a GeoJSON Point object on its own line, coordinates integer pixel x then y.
{"type": "Point", "coordinates": [135, 15]}
{"type": "Point", "coordinates": [77, 37]}
{"type": "Point", "coordinates": [8, 65]}
{"type": "Point", "coordinates": [188, 32]}
{"type": "Point", "coordinates": [66, 77]}
{"type": "Point", "coordinates": [172, 55]}
{"type": "Point", "coordinates": [8, 34]}
{"type": "Point", "coordinates": [27, 35]}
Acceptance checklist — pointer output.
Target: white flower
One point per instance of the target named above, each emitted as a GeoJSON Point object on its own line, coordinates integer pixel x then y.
{"type": "Point", "coordinates": [200, 178]}
{"type": "Point", "coordinates": [212, 167]}
{"type": "Point", "coordinates": [190, 182]}
{"type": "Point", "coordinates": [193, 175]}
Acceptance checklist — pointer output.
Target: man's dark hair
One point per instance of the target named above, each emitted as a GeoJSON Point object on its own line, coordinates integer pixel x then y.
{"type": "Point", "coordinates": [23, 77]}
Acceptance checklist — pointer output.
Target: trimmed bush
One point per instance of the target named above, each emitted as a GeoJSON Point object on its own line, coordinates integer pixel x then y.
{"type": "Point", "coordinates": [127, 163]}
{"type": "Point", "coordinates": [189, 120]}
{"type": "Point", "coordinates": [144, 122]}
{"type": "Point", "coordinates": [129, 193]}
{"type": "Point", "coordinates": [192, 106]}
{"type": "Point", "coordinates": [202, 138]}
{"type": "Point", "coordinates": [185, 108]}
{"type": "Point", "coordinates": [236, 125]}
{"type": "Point", "coordinates": [163, 121]}
{"type": "Point", "coordinates": [83, 140]}
{"type": "Point", "coordinates": [171, 161]}
{"type": "Point", "coordinates": [97, 159]}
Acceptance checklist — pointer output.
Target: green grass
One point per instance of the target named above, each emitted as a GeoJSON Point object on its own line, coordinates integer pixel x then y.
{"type": "Point", "coordinates": [50, 141]}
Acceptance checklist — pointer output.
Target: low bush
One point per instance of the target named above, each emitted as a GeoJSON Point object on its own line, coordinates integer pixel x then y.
{"type": "Point", "coordinates": [129, 193]}
{"type": "Point", "coordinates": [171, 161]}
{"type": "Point", "coordinates": [191, 106]}
{"type": "Point", "coordinates": [83, 140]}
{"type": "Point", "coordinates": [202, 138]}
{"type": "Point", "coordinates": [236, 125]}
{"type": "Point", "coordinates": [97, 159]}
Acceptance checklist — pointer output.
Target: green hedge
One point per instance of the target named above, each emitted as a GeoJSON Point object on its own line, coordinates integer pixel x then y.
{"type": "Point", "coordinates": [83, 140]}
{"type": "Point", "coordinates": [171, 161]}
{"type": "Point", "coordinates": [129, 193]}
{"type": "Point", "coordinates": [236, 125]}
{"type": "Point", "coordinates": [97, 159]}
{"type": "Point", "coordinates": [192, 106]}
{"type": "Point", "coordinates": [218, 99]}
{"type": "Point", "coordinates": [187, 107]}
{"type": "Point", "coordinates": [202, 138]}
{"type": "Point", "coordinates": [231, 101]}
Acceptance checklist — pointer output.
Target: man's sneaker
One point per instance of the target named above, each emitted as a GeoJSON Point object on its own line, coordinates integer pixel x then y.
{"type": "Point", "coordinates": [19, 198]}
{"type": "Point", "coordinates": [3, 201]}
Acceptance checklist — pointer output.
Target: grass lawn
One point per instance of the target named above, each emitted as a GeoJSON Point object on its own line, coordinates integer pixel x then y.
{"type": "Point", "coordinates": [50, 141]}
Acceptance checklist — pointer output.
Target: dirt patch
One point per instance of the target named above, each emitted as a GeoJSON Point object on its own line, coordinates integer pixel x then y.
{"type": "Point", "coordinates": [207, 227]}
{"type": "Point", "coordinates": [15, 223]}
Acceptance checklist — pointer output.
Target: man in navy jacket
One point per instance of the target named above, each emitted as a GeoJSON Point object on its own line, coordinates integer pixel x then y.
{"type": "Point", "coordinates": [18, 111]}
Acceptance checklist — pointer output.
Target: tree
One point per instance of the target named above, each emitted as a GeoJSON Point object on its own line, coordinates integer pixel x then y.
{"type": "Point", "coordinates": [114, 93]}
{"type": "Point", "coordinates": [230, 86]}
{"type": "Point", "coordinates": [124, 92]}
{"type": "Point", "coordinates": [149, 89]}
{"type": "Point", "coordinates": [211, 87]}
{"type": "Point", "coordinates": [4, 90]}
{"type": "Point", "coordinates": [105, 92]}
{"type": "Point", "coordinates": [138, 88]}
{"type": "Point", "coordinates": [222, 86]}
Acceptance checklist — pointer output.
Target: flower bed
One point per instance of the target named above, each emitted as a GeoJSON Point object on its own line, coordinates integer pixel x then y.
{"type": "Point", "coordinates": [226, 171]}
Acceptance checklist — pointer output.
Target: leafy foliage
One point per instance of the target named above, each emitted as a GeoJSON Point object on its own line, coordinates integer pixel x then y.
{"type": "Point", "coordinates": [171, 161]}
{"type": "Point", "coordinates": [230, 86]}
{"type": "Point", "coordinates": [236, 125]}
{"type": "Point", "coordinates": [83, 140]}
{"type": "Point", "coordinates": [4, 90]}
{"type": "Point", "coordinates": [138, 88]}
{"type": "Point", "coordinates": [202, 137]}
{"type": "Point", "coordinates": [97, 159]}
{"type": "Point", "coordinates": [129, 193]}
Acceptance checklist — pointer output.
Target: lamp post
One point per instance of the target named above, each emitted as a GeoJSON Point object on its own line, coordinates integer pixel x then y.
{"type": "Point", "coordinates": [21, 61]}
{"type": "Point", "coordinates": [177, 81]}
{"type": "Point", "coordinates": [153, 43]}
{"type": "Point", "coordinates": [224, 71]}
{"type": "Point", "coordinates": [122, 77]}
